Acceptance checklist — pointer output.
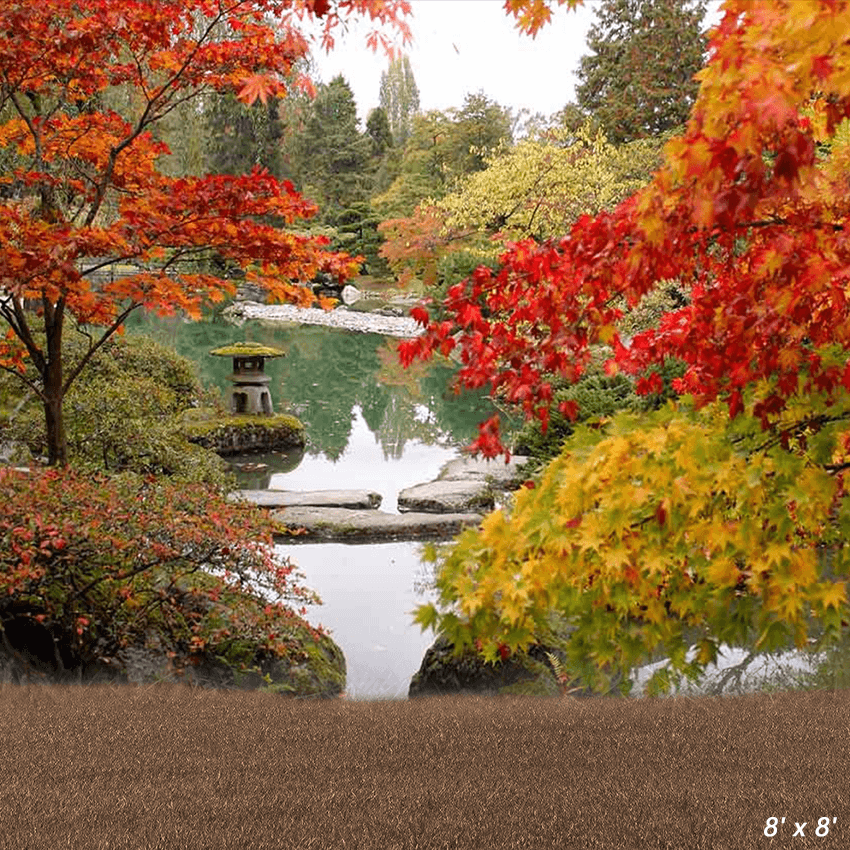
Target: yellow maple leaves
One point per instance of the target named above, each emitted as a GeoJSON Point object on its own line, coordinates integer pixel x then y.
{"type": "Point", "coordinates": [657, 524]}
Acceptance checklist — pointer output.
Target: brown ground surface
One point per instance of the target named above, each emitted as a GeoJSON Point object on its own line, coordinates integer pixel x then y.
{"type": "Point", "coordinates": [171, 767]}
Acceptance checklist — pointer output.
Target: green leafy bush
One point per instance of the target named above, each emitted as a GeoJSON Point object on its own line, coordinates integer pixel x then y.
{"type": "Point", "coordinates": [598, 397]}
{"type": "Point", "coordinates": [121, 413]}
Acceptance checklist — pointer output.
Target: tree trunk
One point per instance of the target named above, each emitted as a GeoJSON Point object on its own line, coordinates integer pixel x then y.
{"type": "Point", "coordinates": [57, 446]}
{"type": "Point", "coordinates": [54, 392]}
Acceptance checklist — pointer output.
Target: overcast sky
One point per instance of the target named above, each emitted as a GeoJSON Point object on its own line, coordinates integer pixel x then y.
{"type": "Point", "coordinates": [463, 46]}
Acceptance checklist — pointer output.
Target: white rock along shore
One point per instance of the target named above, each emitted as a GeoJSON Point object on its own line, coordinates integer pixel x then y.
{"type": "Point", "coordinates": [350, 320]}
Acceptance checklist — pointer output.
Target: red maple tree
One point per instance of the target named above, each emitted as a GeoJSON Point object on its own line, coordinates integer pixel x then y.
{"type": "Point", "coordinates": [748, 212]}
{"type": "Point", "coordinates": [82, 190]}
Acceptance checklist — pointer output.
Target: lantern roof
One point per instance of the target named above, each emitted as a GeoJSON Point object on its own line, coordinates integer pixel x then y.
{"type": "Point", "coordinates": [247, 349]}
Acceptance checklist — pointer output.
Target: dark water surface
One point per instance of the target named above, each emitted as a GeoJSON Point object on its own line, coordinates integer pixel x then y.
{"type": "Point", "coordinates": [370, 424]}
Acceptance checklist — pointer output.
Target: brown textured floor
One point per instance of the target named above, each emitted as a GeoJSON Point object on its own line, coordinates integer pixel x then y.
{"type": "Point", "coordinates": [171, 767]}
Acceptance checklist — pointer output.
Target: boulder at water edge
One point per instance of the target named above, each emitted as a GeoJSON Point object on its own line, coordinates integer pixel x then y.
{"type": "Point", "coordinates": [442, 673]}
{"type": "Point", "coordinates": [314, 668]}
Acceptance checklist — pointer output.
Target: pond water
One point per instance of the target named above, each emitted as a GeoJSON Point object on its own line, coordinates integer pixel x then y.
{"type": "Point", "coordinates": [370, 424]}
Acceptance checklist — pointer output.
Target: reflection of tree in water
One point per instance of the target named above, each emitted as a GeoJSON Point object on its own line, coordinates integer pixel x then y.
{"type": "Point", "coordinates": [400, 424]}
{"type": "Point", "coordinates": [328, 372]}
{"type": "Point", "coordinates": [324, 375]}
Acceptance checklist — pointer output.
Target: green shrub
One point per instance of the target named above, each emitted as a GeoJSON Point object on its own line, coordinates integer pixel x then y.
{"type": "Point", "coordinates": [598, 397]}
{"type": "Point", "coordinates": [121, 413]}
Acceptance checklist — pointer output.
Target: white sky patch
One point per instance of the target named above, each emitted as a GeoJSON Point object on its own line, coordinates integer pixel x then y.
{"type": "Point", "coordinates": [465, 46]}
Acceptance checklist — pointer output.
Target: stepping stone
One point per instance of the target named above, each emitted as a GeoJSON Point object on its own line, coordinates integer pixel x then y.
{"type": "Point", "coordinates": [465, 484]}
{"type": "Point", "coordinates": [352, 526]}
{"type": "Point", "coordinates": [353, 499]}
{"type": "Point", "coordinates": [442, 497]}
{"type": "Point", "coordinates": [494, 471]}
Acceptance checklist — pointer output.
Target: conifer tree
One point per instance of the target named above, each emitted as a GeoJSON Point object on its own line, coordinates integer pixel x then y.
{"type": "Point", "coordinates": [639, 79]}
{"type": "Point", "coordinates": [399, 98]}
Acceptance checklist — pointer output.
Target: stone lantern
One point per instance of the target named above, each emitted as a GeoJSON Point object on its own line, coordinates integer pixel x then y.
{"type": "Point", "coordinates": [250, 393]}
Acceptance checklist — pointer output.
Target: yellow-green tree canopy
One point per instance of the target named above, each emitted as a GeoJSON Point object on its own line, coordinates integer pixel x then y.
{"type": "Point", "coordinates": [659, 530]}
{"type": "Point", "coordinates": [723, 519]}
{"type": "Point", "coordinates": [539, 187]}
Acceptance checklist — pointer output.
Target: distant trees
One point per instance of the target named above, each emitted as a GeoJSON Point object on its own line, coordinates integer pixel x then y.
{"type": "Point", "coordinates": [638, 81]}
{"type": "Point", "coordinates": [536, 188]}
{"type": "Point", "coordinates": [399, 98]}
{"type": "Point", "coordinates": [332, 153]}
{"type": "Point", "coordinates": [479, 126]}
{"type": "Point", "coordinates": [239, 137]}
{"type": "Point", "coordinates": [379, 132]}
{"type": "Point", "coordinates": [444, 147]}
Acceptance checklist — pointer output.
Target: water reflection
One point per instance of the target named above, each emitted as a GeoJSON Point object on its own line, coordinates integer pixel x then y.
{"type": "Point", "coordinates": [331, 379]}
{"type": "Point", "coordinates": [254, 471]}
{"type": "Point", "coordinates": [369, 593]}
{"type": "Point", "coordinates": [370, 424]}
{"type": "Point", "coordinates": [364, 465]}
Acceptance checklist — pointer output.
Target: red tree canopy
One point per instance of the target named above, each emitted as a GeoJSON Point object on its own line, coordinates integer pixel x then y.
{"type": "Point", "coordinates": [748, 213]}
{"type": "Point", "coordinates": [83, 84]}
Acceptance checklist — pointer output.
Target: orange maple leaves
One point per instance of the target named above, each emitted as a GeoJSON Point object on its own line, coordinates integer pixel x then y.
{"type": "Point", "coordinates": [81, 181]}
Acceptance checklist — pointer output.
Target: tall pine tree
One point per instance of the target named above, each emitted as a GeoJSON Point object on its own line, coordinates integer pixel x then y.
{"type": "Point", "coordinates": [333, 160]}
{"type": "Point", "coordinates": [638, 81]}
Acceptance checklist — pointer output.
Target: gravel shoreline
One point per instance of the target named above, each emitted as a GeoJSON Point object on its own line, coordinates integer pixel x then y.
{"type": "Point", "coordinates": [397, 326]}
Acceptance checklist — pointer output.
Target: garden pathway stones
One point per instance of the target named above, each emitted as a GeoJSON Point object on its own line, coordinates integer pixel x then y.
{"type": "Point", "coordinates": [353, 499]}
{"type": "Point", "coordinates": [464, 484]}
{"type": "Point", "coordinates": [503, 476]}
{"type": "Point", "coordinates": [462, 492]}
{"type": "Point", "coordinates": [438, 497]}
{"type": "Point", "coordinates": [369, 526]}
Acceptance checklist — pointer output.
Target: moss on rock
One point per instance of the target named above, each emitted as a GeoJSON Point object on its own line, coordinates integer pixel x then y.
{"type": "Point", "coordinates": [318, 671]}
{"type": "Point", "coordinates": [238, 434]}
{"type": "Point", "coordinates": [442, 672]}
{"type": "Point", "coordinates": [247, 349]}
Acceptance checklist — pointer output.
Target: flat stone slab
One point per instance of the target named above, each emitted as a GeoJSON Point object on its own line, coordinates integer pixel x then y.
{"type": "Point", "coordinates": [352, 526]}
{"type": "Point", "coordinates": [448, 496]}
{"type": "Point", "coordinates": [464, 484]}
{"type": "Point", "coordinates": [352, 499]}
{"type": "Point", "coordinates": [494, 471]}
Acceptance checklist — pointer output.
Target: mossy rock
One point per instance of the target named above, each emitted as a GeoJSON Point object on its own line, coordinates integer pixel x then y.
{"type": "Point", "coordinates": [314, 668]}
{"type": "Point", "coordinates": [529, 673]}
{"type": "Point", "coordinates": [241, 434]}
{"type": "Point", "coordinates": [319, 672]}
{"type": "Point", "coordinates": [441, 672]}
{"type": "Point", "coordinates": [247, 349]}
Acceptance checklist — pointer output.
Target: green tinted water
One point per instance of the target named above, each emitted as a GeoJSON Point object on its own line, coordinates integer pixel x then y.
{"type": "Point", "coordinates": [371, 424]}
{"type": "Point", "coordinates": [330, 378]}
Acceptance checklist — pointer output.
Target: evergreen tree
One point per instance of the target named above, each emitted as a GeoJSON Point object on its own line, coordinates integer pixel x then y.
{"type": "Point", "coordinates": [240, 137]}
{"type": "Point", "coordinates": [444, 147]}
{"type": "Point", "coordinates": [479, 126]}
{"type": "Point", "coordinates": [386, 157]}
{"type": "Point", "coordinates": [333, 164]}
{"type": "Point", "coordinates": [638, 81]}
{"type": "Point", "coordinates": [399, 98]}
{"type": "Point", "coordinates": [378, 130]}
{"type": "Point", "coordinates": [423, 167]}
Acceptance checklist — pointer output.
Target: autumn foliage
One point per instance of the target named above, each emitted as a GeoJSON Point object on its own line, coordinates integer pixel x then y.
{"type": "Point", "coordinates": [685, 522]}
{"type": "Point", "coordinates": [106, 565]}
{"type": "Point", "coordinates": [92, 227]}
{"type": "Point", "coordinates": [83, 86]}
